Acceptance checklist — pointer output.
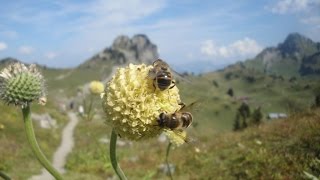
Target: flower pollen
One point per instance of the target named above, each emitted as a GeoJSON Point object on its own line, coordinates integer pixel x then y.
{"type": "Point", "coordinates": [132, 104]}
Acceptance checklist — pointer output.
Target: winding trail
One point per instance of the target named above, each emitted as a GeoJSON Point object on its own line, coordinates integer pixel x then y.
{"type": "Point", "coordinates": [67, 142]}
{"type": "Point", "coordinates": [60, 156]}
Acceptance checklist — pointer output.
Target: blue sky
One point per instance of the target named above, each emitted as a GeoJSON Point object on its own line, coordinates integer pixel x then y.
{"type": "Point", "coordinates": [209, 33]}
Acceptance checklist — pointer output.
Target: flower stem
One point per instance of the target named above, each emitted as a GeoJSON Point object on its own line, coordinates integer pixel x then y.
{"type": "Point", "coordinates": [89, 115]}
{"type": "Point", "coordinates": [113, 156]}
{"type": "Point", "coordinates": [167, 162]}
{"type": "Point", "coordinates": [4, 176]}
{"type": "Point", "coordinates": [34, 145]}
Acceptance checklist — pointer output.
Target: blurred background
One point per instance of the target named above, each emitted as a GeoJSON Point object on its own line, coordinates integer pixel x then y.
{"type": "Point", "coordinates": [253, 65]}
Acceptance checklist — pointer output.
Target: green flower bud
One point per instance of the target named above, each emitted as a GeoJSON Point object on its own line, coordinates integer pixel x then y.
{"type": "Point", "coordinates": [21, 85]}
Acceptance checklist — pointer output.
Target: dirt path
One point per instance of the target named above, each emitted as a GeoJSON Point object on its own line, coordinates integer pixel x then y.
{"type": "Point", "coordinates": [59, 157]}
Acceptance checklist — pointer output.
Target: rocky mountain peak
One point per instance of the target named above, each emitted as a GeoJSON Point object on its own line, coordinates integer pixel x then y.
{"type": "Point", "coordinates": [297, 43]}
{"type": "Point", "coordinates": [138, 49]}
{"type": "Point", "coordinates": [121, 42]}
{"type": "Point", "coordinates": [294, 56]}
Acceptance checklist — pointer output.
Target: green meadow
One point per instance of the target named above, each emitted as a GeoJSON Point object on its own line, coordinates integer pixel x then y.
{"type": "Point", "coordinates": [276, 149]}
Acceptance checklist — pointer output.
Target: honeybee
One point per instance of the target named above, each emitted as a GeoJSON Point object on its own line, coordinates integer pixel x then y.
{"type": "Point", "coordinates": [161, 75]}
{"type": "Point", "coordinates": [176, 120]}
{"type": "Point", "coordinates": [174, 124]}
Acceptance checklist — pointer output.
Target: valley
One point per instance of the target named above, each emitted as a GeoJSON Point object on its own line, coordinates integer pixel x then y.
{"type": "Point", "coordinates": [278, 85]}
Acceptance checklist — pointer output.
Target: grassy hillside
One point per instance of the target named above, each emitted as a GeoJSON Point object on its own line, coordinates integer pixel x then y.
{"type": "Point", "coordinates": [62, 85]}
{"type": "Point", "coordinates": [69, 80]}
{"type": "Point", "coordinates": [219, 152]}
{"type": "Point", "coordinates": [222, 152]}
{"type": "Point", "coordinates": [271, 93]}
{"type": "Point", "coordinates": [281, 149]}
{"type": "Point", "coordinates": [15, 152]}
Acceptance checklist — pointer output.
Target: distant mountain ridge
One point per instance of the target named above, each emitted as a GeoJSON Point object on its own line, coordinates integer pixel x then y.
{"type": "Point", "coordinates": [124, 50]}
{"type": "Point", "coordinates": [7, 61]}
{"type": "Point", "coordinates": [297, 55]}
{"type": "Point", "coordinates": [138, 49]}
{"type": "Point", "coordinates": [289, 58]}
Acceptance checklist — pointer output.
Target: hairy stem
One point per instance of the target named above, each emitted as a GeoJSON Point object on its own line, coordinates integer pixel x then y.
{"type": "Point", "coordinates": [113, 156]}
{"type": "Point", "coordinates": [34, 145]}
{"type": "Point", "coordinates": [167, 162]}
{"type": "Point", "coordinates": [4, 176]}
{"type": "Point", "coordinates": [90, 114]}
{"type": "Point", "coordinates": [88, 108]}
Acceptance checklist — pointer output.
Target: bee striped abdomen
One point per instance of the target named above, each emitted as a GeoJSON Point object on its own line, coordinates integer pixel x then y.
{"type": "Point", "coordinates": [173, 123]}
{"type": "Point", "coordinates": [186, 119]}
{"type": "Point", "coordinates": [163, 80]}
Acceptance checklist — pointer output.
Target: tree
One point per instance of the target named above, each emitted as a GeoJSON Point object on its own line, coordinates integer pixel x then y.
{"type": "Point", "coordinates": [215, 83]}
{"type": "Point", "coordinates": [236, 125]}
{"type": "Point", "coordinates": [250, 79]}
{"type": "Point", "coordinates": [230, 92]}
{"type": "Point", "coordinates": [317, 101]}
{"type": "Point", "coordinates": [257, 116]}
{"type": "Point", "coordinates": [244, 111]}
{"type": "Point", "coordinates": [228, 75]}
{"type": "Point", "coordinates": [242, 115]}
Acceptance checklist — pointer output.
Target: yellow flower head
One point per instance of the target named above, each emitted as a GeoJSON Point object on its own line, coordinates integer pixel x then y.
{"type": "Point", "coordinates": [132, 104]}
{"type": "Point", "coordinates": [96, 87]}
{"type": "Point", "coordinates": [2, 126]}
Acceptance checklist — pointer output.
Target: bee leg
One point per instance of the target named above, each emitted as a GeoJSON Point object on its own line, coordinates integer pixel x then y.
{"type": "Point", "coordinates": [174, 84]}
{"type": "Point", "coordinates": [154, 86]}
{"type": "Point", "coordinates": [183, 105]}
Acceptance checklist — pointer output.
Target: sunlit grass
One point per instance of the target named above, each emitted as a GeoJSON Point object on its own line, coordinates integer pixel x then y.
{"type": "Point", "coordinates": [15, 153]}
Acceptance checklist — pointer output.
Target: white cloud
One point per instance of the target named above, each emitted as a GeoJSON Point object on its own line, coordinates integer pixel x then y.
{"type": "Point", "coordinates": [313, 20]}
{"type": "Point", "coordinates": [123, 10]}
{"type": "Point", "coordinates": [26, 50]}
{"type": "Point", "coordinates": [3, 46]}
{"type": "Point", "coordinates": [51, 55]}
{"type": "Point", "coordinates": [9, 34]}
{"type": "Point", "coordinates": [208, 48]}
{"type": "Point", "coordinates": [240, 48]}
{"type": "Point", "coordinates": [293, 6]}
{"type": "Point", "coordinates": [87, 13]}
{"type": "Point", "coordinates": [246, 47]}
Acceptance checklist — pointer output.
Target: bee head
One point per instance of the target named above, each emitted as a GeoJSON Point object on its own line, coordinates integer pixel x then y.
{"type": "Point", "coordinates": [161, 119]}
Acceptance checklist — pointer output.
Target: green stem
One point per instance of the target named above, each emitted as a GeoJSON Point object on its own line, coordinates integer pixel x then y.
{"type": "Point", "coordinates": [88, 115]}
{"type": "Point", "coordinates": [34, 145]}
{"type": "Point", "coordinates": [90, 108]}
{"type": "Point", "coordinates": [167, 156]}
{"type": "Point", "coordinates": [4, 176]}
{"type": "Point", "coordinates": [113, 156]}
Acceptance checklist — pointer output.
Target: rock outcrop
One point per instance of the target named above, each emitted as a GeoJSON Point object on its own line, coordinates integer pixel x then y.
{"type": "Point", "coordinates": [138, 49]}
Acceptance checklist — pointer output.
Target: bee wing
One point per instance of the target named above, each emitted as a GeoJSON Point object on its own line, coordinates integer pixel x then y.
{"type": "Point", "coordinates": [180, 76]}
{"type": "Point", "coordinates": [192, 107]}
{"type": "Point", "coordinates": [176, 137]}
{"type": "Point", "coordinates": [160, 62]}
{"type": "Point", "coordinates": [152, 74]}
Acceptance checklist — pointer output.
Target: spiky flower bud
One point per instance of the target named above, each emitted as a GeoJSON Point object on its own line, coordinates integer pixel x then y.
{"type": "Point", "coordinates": [132, 104]}
{"type": "Point", "coordinates": [96, 87]}
{"type": "Point", "coordinates": [21, 85]}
